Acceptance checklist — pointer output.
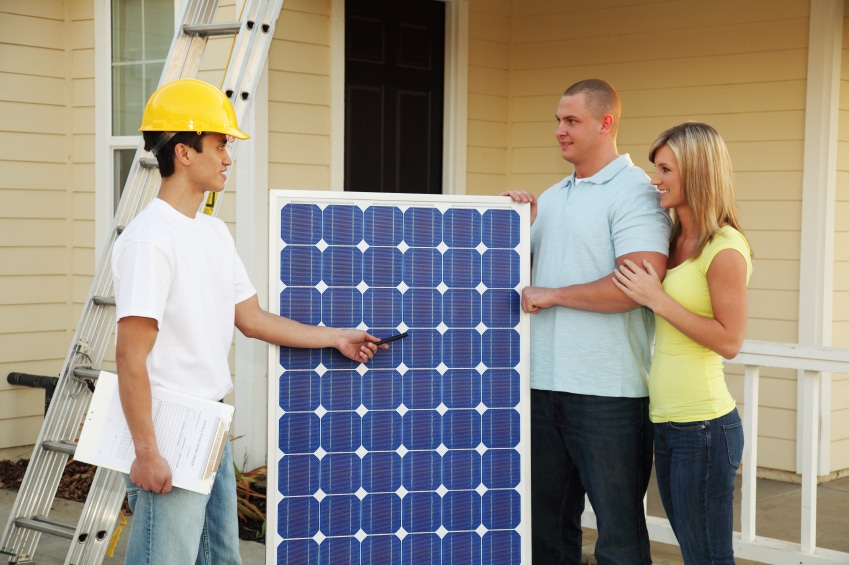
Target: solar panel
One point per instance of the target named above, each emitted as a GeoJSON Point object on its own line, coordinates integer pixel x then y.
{"type": "Point", "coordinates": [421, 456]}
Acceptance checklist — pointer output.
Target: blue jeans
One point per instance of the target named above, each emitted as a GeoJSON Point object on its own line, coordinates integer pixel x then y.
{"type": "Point", "coordinates": [696, 463]}
{"type": "Point", "coordinates": [596, 446]}
{"type": "Point", "coordinates": [185, 527]}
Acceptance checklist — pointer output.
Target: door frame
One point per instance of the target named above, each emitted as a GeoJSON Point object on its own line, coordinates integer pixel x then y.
{"type": "Point", "coordinates": [455, 113]}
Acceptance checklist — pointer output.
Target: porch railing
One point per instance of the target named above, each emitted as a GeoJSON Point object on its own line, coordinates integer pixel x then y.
{"type": "Point", "coordinates": [811, 362]}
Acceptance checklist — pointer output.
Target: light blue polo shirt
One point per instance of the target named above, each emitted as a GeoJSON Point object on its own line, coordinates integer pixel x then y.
{"type": "Point", "coordinates": [580, 229]}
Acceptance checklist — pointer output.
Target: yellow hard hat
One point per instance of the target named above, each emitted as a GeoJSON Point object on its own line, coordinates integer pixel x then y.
{"type": "Point", "coordinates": [189, 104]}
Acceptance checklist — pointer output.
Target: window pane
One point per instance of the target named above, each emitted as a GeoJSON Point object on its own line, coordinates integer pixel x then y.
{"type": "Point", "coordinates": [122, 161]}
{"type": "Point", "coordinates": [142, 31]}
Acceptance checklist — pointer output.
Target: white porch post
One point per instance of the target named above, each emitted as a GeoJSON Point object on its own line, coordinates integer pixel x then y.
{"type": "Point", "coordinates": [251, 361]}
{"type": "Point", "coordinates": [816, 269]}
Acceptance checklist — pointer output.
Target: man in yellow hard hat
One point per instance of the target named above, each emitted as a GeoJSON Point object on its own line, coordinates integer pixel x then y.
{"type": "Point", "coordinates": [180, 288]}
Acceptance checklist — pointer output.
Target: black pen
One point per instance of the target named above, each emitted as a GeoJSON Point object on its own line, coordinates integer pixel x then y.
{"type": "Point", "coordinates": [393, 338]}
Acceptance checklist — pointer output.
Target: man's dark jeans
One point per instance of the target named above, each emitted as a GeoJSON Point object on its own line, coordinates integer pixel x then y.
{"type": "Point", "coordinates": [594, 445]}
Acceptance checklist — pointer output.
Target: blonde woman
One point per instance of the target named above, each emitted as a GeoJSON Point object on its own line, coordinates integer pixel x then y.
{"type": "Point", "coordinates": [700, 312]}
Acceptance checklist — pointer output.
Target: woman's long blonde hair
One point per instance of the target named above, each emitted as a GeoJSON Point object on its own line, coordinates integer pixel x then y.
{"type": "Point", "coordinates": [706, 179]}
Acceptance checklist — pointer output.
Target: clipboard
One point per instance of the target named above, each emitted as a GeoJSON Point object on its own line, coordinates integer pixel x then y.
{"type": "Point", "coordinates": [190, 433]}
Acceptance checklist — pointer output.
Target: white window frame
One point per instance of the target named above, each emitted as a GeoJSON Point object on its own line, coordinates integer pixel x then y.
{"type": "Point", "coordinates": [105, 143]}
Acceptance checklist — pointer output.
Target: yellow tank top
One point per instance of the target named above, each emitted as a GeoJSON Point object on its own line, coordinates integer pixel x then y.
{"type": "Point", "coordinates": [687, 381]}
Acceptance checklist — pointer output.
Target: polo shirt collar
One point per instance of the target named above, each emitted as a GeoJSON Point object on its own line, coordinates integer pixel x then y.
{"type": "Point", "coordinates": [606, 174]}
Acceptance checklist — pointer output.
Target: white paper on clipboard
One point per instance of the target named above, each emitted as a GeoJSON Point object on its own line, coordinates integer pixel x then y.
{"type": "Point", "coordinates": [190, 433]}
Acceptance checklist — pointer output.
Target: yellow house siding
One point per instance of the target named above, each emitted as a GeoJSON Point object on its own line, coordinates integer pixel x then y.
{"type": "Point", "coordinates": [299, 97]}
{"type": "Point", "coordinates": [488, 149]}
{"type": "Point", "coordinates": [46, 47]}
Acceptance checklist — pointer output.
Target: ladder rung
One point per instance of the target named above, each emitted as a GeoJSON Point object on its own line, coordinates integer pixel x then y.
{"type": "Point", "coordinates": [82, 373]}
{"type": "Point", "coordinates": [209, 30]}
{"type": "Point", "coordinates": [47, 526]}
{"type": "Point", "coordinates": [62, 446]}
{"type": "Point", "coordinates": [149, 163]}
{"type": "Point", "coordinates": [103, 300]}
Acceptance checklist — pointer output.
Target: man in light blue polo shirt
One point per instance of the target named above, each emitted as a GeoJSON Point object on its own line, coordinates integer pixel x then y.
{"type": "Point", "coordinates": [590, 344]}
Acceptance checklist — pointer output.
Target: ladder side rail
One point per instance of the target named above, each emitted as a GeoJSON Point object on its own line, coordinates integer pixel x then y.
{"type": "Point", "coordinates": [248, 62]}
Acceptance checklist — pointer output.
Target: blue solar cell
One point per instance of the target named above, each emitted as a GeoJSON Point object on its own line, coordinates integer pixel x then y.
{"type": "Point", "coordinates": [462, 268]}
{"type": "Point", "coordinates": [422, 267]}
{"type": "Point", "coordinates": [383, 225]}
{"type": "Point", "coordinates": [301, 430]}
{"type": "Point", "coordinates": [501, 268]}
{"type": "Point", "coordinates": [462, 308]}
{"type": "Point", "coordinates": [500, 388]}
{"type": "Point", "coordinates": [501, 468]}
{"type": "Point", "coordinates": [422, 549]}
{"type": "Point", "coordinates": [298, 391]}
{"type": "Point", "coordinates": [461, 348]}
{"type": "Point", "coordinates": [422, 348]}
{"type": "Point", "coordinates": [461, 429]}
{"type": "Point", "coordinates": [501, 509]}
{"type": "Point", "coordinates": [501, 229]}
{"type": "Point", "coordinates": [421, 512]}
{"type": "Point", "coordinates": [341, 390]}
{"type": "Point", "coordinates": [301, 304]}
{"type": "Point", "coordinates": [299, 474]}
{"type": "Point", "coordinates": [501, 308]}
{"type": "Point", "coordinates": [382, 389]}
{"type": "Point", "coordinates": [422, 308]}
{"type": "Point", "coordinates": [382, 430]}
{"type": "Point", "coordinates": [339, 515]}
{"type": "Point", "coordinates": [341, 431]}
{"type": "Point", "coordinates": [461, 547]}
{"type": "Point", "coordinates": [381, 514]}
{"type": "Point", "coordinates": [421, 471]}
{"type": "Point", "coordinates": [501, 428]}
{"type": "Point", "coordinates": [422, 429]}
{"type": "Point", "coordinates": [502, 547]}
{"type": "Point", "coordinates": [380, 549]}
{"type": "Point", "coordinates": [298, 517]}
{"type": "Point", "coordinates": [462, 227]}
{"type": "Point", "coordinates": [300, 224]}
{"type": "Point", "coordinates": [382, 267]}
{"type": "Point", "coordinates": [342, 225]}
{"type": "Point", "coordinates": [342, 307]}
{"type": "Point", "coordinates": [382, 308]}
{"type": "Point", "coordinates": [382, 472]}
{"type": "Point", "coordinates": [461, 388]}
{"type": "Point", "coordinates": [422, 388]}
{"type": "Point", "coordinates": [339, 551]}
{"type": "Point", "coordinates": [342, 266]}
{"type": "Point", "coordinates": [340, 473]}
{"type": "Point", "coordinates": [500, 348]}
{"type": "Point", "coordinates": [461, 510]}
{"type": "Point", "coordinates": [303, 551]}
{"type": "Point", "coordinates": [422, 227]}
{"type": "Point", "coordinates": [461, 469]}
{"type": "Point", "coordinates": [300, 265]}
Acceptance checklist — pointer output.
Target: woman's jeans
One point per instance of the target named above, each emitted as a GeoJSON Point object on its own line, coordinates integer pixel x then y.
{"type": "Point", "coordinates": [185, 527]}
{"type": "Point", "coordinates": [696, 463]}
{"type": "Point", "coordinates": [596, 446]}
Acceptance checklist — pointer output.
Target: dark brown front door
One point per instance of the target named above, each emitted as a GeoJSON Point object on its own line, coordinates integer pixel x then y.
{"type": "Point", "coordinates": [394, 65]}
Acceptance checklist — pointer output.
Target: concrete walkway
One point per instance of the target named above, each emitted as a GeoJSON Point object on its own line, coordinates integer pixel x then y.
{"type": "Point", "coordinates": [778, 516]}
{"type": "Point", "coordinates": [779, 511]}
{"type": "Point", "coordinates": [52, 550]}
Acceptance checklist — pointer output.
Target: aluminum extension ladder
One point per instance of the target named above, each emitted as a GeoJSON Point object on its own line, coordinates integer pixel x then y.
{"type": "Point", "coordinates": [29, 518]}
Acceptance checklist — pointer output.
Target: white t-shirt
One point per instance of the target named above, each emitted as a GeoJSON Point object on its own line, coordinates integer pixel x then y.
{"type": "Point", "coordinates": [184, 273]}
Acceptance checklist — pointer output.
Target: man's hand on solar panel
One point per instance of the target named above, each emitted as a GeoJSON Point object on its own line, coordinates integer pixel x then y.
{"type": "Point", "coordinates": [523, 196]}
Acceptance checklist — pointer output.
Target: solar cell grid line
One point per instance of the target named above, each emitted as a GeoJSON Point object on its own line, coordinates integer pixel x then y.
{"type": "Point", "coordinates": [422, 455]}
